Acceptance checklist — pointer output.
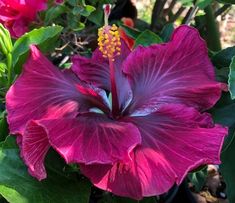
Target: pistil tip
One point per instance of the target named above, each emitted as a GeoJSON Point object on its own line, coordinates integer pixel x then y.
{"type": "Point", "coordinates": [108, 37]}
{"type": "Point", "coordinates": [107, 9]}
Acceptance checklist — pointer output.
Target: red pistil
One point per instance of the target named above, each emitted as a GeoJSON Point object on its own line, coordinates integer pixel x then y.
{"type": "Point", "coordinates": [109, 44]}
{"type": "Point", "coordinates": [115, 103]}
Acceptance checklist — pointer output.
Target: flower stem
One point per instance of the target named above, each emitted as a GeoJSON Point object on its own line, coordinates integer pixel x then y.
{"type": "Point", "coordinates": [115, 103]}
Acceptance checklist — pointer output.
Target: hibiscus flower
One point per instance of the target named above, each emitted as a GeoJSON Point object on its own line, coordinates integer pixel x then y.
{"type": "Point", "coordinates": [144, 138]}
{"type": "Point", "coordinates": [16, 15]}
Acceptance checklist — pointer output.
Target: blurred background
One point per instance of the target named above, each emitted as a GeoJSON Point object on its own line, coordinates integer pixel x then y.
{"type": "Point", "coordinates": [225, 20]}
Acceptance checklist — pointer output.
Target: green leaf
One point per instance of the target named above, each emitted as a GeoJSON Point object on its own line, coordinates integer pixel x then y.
{"type": "Point", "coordinates": [74, 22]}
{"type": "Point", "coordinates": [5, 41]}
{"type": "Point", "coordinates": [16, 185]}
{"type": "Point", "coordinates": [3, 68]}
{"type": "Point", "coordinates": [54, 12]}
{"type": "Point", "coordinates": [224, 57]}
{"type": "Point", "coordinates": [73, 2]}
{"type": "Point", "coordinates": [147, 38]}
{"type": "Point", "coordinates": [167, 32]}
{"type": "Point", "coordinates": [84, 11]}
{"type": "Point", "coordinates": [133, 33]}
{"type": "Point", "coordinates": [186, 3]}
{"type": "Point", "coordinates": [78, 26]}
{"type": "Point", "coordinates": [45, 37]}
{"type": "Point", "coordinates": [200, 3]}
{"type": "Point", "coordinates": [200, 13]}
{"type": "Point", "coordinates": [221, 114]}
{"type": "Point", "coordinates": [227, 1]}
{"type": "Point", "coordinates": [231, 78]}
{"type": "Point", "coordinates": [203, 3]}
{"type": "Point", "coordinates": [96, 17]}
{"type": "Point", "coordinates": [227, 169]}
{"type": "Point", "coordinates": [222, 74]}
{"type": "Point", "coordinates": [198, 178]}
{"type": "Point", "coordinates": [3, 127]}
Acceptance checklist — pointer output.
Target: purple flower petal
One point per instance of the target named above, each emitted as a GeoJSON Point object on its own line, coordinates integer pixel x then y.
{"type": "Point", "coordinates": [19, 27]}
{"type": "Point", "coordinates": [96, 72]}
{"type": "Point", "coordinates": [175, 140]}
{"type": "Point", "coordinates": [42, 91]}
{"type": "Point", "coordinates": [120, 179]}
{"type": "Point", "coordinates": [34, 147]}
{"type": "Point", "coordinates": [176, 72]}
{"type": "Point", "coordinates": [91, 138]}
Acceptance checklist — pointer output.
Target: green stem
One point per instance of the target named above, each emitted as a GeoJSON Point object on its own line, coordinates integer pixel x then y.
{"type": "Point", "coordinates": [4, 50]}
{"type": "Point", "coordinates": [9, 69]}
{"type": "Point", "coordinates": [213, 36]}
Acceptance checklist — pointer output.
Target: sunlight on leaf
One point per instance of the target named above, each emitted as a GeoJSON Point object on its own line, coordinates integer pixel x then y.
{"type": "Point", "coordinates": [40, 36]}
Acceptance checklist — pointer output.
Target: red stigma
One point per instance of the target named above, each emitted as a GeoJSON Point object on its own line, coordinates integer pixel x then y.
{"type": "Point", "coordinates": [107, 9]}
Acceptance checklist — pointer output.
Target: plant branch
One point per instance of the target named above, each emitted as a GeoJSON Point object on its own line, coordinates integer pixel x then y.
{"type": "Point", "coordinates": [170, 8]}
{"type": "Point", "coordinates": [212, 31]}
{"type": "Point", "coordinates": [191, 15]}
{"type": "Point", "coordinates": [156, 13]}
{"type": "Point", "coordinates": [187, 15]}
{"type": "Point", "coordinates": [172, 4]}
{"type": "Point", "coordinates": [222, 9]}
{"type": "Point", "coordinates": [177, 14]}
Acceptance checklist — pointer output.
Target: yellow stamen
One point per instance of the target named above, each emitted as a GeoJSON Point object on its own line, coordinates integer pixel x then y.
{"type": "Point", "coordinates": [109, 41]}
{"type": "Point", "coordinates": [108, 37]}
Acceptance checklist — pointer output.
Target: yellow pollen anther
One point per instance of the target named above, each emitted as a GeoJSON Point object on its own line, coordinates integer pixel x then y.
{"type": "Point", "coordinates": [109, 41]}
{"type": "Point", "coordinates": [108, 36]}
